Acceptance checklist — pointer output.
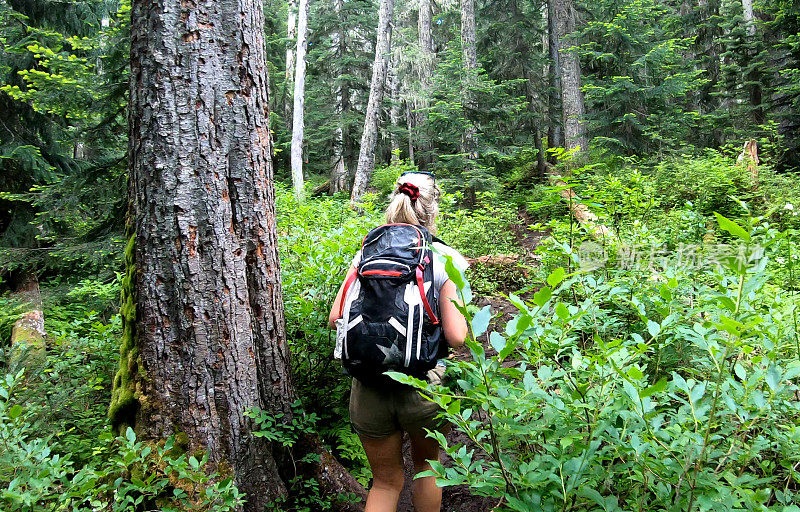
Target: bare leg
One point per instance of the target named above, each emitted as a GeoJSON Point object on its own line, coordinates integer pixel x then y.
{"type": "Point", "coordinates": [386, 461]}
{"type": "Point", "coordinates": [425, 495]}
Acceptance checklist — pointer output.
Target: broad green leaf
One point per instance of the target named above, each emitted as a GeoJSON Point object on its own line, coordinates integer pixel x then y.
{"type": "Point", "coordinates": [635, 374]}
{"type": "Point", "coordinates": [15, 411]}
{"type": "Point", "coordinates": [561, 311]}
{"type": "Point", "coordinates": [556, 277]}
{"type": "Point", "coordinates": [541, 297]}
{"type": "Point", "coordinates": [653, 328]}
{"type": "Point", "coordinates": [480, 322]}
{"type": "Point", "coordinates": [732, 227]}
{"type": "Point", "coordinates": [497, 341]}
{"type": "Point", "coordinates": [658, 387]}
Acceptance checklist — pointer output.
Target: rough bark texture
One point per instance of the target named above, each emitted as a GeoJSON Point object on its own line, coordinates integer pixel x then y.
{"type": "Point", "coordinates": [291, 36]}
{"type": "Point", "coordinates": [338, 181]}
{"type": "Point", "coordinates": [203, 315]}
{"type": "Point", "coordinates": [299, 101]}
{"type": "Point", "coordinates": [571, 94]}
{"type": "Point", "coordinates": [555, 134]}
{"type": "Point", "coordinates": [470, 56]}
{"type": "Point", "coordinates": [425, 66]}
{"type": "Point", "coordinates": [394, 110]}
{"type": "Point", "coordinates": [369, 137]}
{"type": "Point", "coordinates": [28, 334]}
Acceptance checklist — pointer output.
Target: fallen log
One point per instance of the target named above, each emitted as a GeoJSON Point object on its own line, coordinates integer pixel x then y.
{"type": "Point", "coordinates": [325, 188]}
{"type": "Point", "coordinates": [494, 260]}
{"type": "Point", "coordinates": [579, 210]}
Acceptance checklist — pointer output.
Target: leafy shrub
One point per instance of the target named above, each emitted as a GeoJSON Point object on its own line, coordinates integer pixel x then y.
{"type": "Point", "coordinates": [131, 476]}
{"type": "Point", "coordinates": [480, 231]}
{"type": "Point", "coordinates": [645, 389]}
{"type": "Point", "coordinates": [384, 178]}
{"type": "Point", "coordinates": [318, 240]}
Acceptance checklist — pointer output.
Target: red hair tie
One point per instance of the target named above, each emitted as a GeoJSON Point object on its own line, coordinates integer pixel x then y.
{"type": "Point", "coordinates": [410, 190]}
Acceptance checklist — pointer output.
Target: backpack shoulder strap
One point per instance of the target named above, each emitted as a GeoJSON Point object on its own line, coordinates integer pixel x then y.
{"type": "Point", "coordinates": [439, 240]}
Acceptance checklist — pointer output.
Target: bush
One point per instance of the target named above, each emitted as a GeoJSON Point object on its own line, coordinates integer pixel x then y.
{"type": "Point", "coordinates": [131, 475]}
{"type": "Point", "coordinates": [644, 389]}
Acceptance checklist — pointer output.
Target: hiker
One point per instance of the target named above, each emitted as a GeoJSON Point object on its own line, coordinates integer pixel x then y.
{"type": "Point", "coordinates": [381, 410]}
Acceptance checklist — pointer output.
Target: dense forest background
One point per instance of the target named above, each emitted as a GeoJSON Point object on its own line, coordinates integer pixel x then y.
{"type": "Point", "coordinates": [550, 126]}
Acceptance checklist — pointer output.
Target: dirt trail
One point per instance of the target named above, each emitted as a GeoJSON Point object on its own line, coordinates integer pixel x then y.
{"type": "Point", "coordinates": [458, 498]}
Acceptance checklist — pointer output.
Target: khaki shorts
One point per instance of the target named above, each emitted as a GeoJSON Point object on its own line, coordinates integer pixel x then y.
{"type": "Point", "coordinates": [376, 412]}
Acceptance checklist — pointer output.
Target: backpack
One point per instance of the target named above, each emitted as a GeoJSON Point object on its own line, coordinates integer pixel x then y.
{"type": "Point", "coordinates": [389, 312]}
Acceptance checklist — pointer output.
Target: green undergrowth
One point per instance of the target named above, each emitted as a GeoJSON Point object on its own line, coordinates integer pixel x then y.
{"type": "Point", "coordinates": [619, 386]}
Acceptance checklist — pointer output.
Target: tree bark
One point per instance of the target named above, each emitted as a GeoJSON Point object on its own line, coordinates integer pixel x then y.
{"type": "Point", "coordinates": [425, 68]}
{"type": "Point", "coordinates": [754, 78]}
{"type": "Point", "coordinates": [571, 94]}
{"type": "Point", "coordinates": [394, 109]}
{"type": "Point", "coordinates": [555, 134]}
{"type": "Point", "coordinates": [299, 101]}
{"type": "Point", "coordinates": [288, 80]}
{"type": "Point", "coordinates": [204, 336]}
{"type": "Point", "coordinates": [470, 56]}
{"type": "Point", "coordinates": [369, 137]}
{"type": "Point", "coordinates": [338, 181]}
{"type": "Point", "coordinates": [28, 333]}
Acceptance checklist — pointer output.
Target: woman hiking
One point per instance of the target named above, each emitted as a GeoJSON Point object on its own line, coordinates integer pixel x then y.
{"type": "Point", "coordinates": [382, 411]}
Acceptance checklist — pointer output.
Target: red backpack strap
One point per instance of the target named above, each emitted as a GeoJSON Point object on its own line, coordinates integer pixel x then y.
{"type": "Point", "coordinates": [347, 285]}
{"type": "Point", "coordinates": [425, 303]}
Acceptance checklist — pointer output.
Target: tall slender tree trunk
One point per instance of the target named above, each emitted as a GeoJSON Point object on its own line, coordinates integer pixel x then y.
{"type": "Point", "coordinates": [753, 78]}
{"type": "Point", "coordinates": [555, 133]}
{"type": "Point", "coordinates": [203, 324]}
{"type": "Point", "coordinates": [338, 181]}
{"type": "Point", "coordinates": [425, 68]}
{"type": "Point", "coordinates": [571, 94]}
{"type": "Point", "coordinates": [369, 137]}
{"type": "Point", "coordinates": [299, 101]}
{"type": "Point", "coordinates": [470, 56]}
{"type": "Point", "coordinates": [288, 80]}
{"type": "Point", "coordinates": [394, 109]}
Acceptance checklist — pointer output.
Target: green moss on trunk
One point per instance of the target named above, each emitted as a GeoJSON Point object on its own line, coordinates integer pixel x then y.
{"type": "Point", "coordinates": [124, 396]}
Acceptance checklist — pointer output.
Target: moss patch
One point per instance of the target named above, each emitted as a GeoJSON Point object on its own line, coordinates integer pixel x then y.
{"type": "Point", "coordinates": [124, 399]}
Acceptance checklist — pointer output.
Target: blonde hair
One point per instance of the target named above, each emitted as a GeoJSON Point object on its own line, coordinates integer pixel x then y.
{"type": "Point", "coordinates": [423, 210]}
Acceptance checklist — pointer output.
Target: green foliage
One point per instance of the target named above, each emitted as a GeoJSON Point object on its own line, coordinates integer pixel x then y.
{"type": "Point", "coordinates": [318, 240]}
{"type": "Point", "coordinates": [482, 230]}
{"type": "Point", "coordinates": [384, 178]}
{"type": "Point", "coordinates": [634, 390]}
{"type": "Point", "coordinates": [132, 476]}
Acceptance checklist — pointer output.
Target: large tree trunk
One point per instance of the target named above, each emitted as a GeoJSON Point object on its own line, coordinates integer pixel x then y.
{"type": "Point", "coordinates": [571, 94]}
{"type": "Point", "coordinates": [299, 101]}
{"type": "Point", "coordinates": [288, 79]}
{"type": "Point", "coordinates": [203, 325]}
{"type": "Point", "coordinates": [338, 181]}
{"type": "Point", "coordinates": [555, 134]}
{"type": "Point", "coordinates": [369, 137]}
{"type": "Point", "coordinates": [470, 56]}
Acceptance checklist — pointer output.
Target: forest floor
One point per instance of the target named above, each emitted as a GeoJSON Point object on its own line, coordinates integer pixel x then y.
{"type": "Point", "coordinates": [458, 498]}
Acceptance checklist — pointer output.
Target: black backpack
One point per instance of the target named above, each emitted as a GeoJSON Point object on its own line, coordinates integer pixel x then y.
{"type": "Point", "coordinates": [388, 307]}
